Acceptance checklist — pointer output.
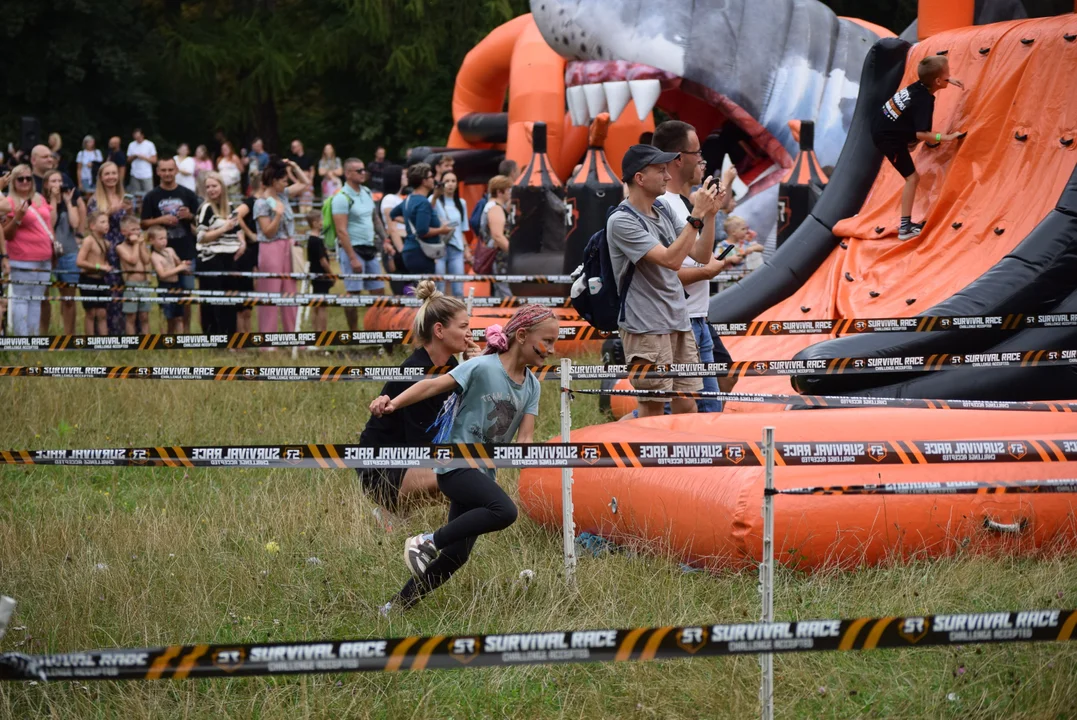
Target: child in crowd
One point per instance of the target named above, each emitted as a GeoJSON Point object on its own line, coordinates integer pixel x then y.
{"type": "Point", "coordinates": [168, 267]}
{"type": "Point", "coordinates": [496, 398]}
{"type": "Point", "coordinates": [135, 262]}
{"type": "Point", "coordinates": [742, 237]}
{"type": "Point", "coordinates": [92, 260]}
{"type": "Point", "coordinates": [903, 121]}
{"type": "Point", "coordinates": [319, 263]}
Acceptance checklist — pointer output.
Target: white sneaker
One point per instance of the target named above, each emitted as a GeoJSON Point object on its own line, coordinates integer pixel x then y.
{"type": "Point", "coordinates": [418, 554]}
{"type": "Point", "coordinates": [913, 231]}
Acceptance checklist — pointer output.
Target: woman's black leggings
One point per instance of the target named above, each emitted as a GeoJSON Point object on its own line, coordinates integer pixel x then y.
{"type": "Point", "coordinates": [478, 506]}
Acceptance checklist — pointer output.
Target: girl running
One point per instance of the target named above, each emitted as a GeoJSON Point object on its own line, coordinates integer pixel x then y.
{"type": "Point", "coordinates": [442, 329]}
{"type": "Point", "coordinates": [496, 396]}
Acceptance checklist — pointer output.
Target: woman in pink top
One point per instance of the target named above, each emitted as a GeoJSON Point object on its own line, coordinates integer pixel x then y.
{"type": "Point", "coordinates": [28, 229]}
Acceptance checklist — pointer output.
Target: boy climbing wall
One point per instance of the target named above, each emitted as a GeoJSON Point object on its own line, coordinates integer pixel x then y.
{"type": "Point", "coordinates": [904, 120]}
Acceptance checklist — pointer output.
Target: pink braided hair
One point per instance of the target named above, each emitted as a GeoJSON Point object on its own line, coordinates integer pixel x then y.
{"type": "Point", "coordinates": [527, 317]}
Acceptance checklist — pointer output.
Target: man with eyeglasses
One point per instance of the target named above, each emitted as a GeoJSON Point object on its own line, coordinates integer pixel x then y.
{"type": "Point", "coordinates": [353, 219]}
{"type": "Point", "coordinates": [687, 173]}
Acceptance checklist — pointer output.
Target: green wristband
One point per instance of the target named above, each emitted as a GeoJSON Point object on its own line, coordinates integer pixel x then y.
{"type": "Point", "coordinates": [938, 137]}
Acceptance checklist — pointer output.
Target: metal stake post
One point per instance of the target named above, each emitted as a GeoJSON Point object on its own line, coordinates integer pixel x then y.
{"type": "Point", "coordinates": [766, 576]}
{"type": "Point", "coordinates": [7, 607]}
{"type": "Point", "coordinates": [567, 523]}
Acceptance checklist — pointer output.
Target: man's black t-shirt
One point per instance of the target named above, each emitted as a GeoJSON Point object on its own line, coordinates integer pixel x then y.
{"type": "Point", "coordinates": [407, 426]}
{"type": "Point", "coordinates": [902, 116]}
{"type": "Point", "coordinates": [160, 202]}
{"type": "Point", "coordinates": [304, 161]}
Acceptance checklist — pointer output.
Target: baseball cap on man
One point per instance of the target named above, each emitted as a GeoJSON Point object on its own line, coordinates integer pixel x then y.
{"type": "Point", "coordinates": [638, 157]}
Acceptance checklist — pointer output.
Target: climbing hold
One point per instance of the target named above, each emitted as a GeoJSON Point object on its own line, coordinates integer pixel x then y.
{"type": "Point", "coordinates": [844, 245]}
{"type": "Point", "coordinates": [805, 309]}
{"type": "Point", "coordinates": [957, 225]}
{"type": "Point", "coordinates": [1018, 136]}
{"type": "Point", "coordinates": [1066, 142]}
{"type": "Point", "coordinates": [932, 145]}
{"type": "Point", "coordinates": [848, 277]}
{"type": "Point", "coordinates": [999, 231]}
{"type": "Point", "coordinates": [962, 135]}
{"type": "Point", "coordinates": [910, 301]}
{"type": "Point", "coordinates": [874, 294]}
{"type": "Point", "coordinates": [1027, 41]}
{"type": "Point", "coordinates": [880, 230]}
{"type": "Point", "coordinates": [1069, 38]}
{"type": "Point", "coordinates": [985, 50]}
{"type": "Point", "coordinates": [943, 52]}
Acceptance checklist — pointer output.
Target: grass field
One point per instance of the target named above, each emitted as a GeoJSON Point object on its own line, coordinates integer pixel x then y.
{"type": "Point", "coordinates": [137, 557]}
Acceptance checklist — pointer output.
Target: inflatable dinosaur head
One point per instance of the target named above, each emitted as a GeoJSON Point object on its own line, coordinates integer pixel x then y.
{"type": "Point", "coordinates": [745, 68]}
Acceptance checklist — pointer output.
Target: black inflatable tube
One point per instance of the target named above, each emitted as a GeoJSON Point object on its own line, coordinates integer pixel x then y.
{"type": "Point", "coordinates": [470, 166]}
{"type": "Point", "coordinates": [1042, 383]}
{"type": "Point", "coordinates": [859, 162]}
{"type": "Point", "coordinates": [1038, 275]}
{"type": "Point", "coordinates": [484, 127]}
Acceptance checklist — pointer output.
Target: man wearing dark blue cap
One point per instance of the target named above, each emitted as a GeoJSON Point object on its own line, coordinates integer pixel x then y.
{"type": "Point", "coordinates": [644, 235]}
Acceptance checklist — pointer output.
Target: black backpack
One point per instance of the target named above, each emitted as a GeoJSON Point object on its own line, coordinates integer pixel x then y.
{"type": "Point", "coordinates": [604, 307]}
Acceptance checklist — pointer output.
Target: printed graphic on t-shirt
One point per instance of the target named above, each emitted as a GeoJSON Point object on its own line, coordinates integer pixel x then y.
{"type": "Point", "coordinates": [499, 419]}
{"type": "Point", "coordinates": [896, 105]}
{"type": "Point", "coordinates": [171, 206]}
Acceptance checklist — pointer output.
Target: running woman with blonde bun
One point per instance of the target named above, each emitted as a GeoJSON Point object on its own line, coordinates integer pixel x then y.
{"type": "Point", "coordinates": [496, 399]}
{"type": "Point", "coordinates": [442, 330]}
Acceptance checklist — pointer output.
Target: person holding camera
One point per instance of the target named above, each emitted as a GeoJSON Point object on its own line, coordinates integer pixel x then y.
{"type": "Point", "coordinates": [108, 197]}
{"type": "Point", "coordinates": [353, 220]}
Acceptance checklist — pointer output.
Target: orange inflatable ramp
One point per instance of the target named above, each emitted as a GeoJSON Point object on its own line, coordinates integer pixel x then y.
{"type": "Point", "coordinates": [979, 196]}
{"type": "Point", "coordinates": [712, 516]}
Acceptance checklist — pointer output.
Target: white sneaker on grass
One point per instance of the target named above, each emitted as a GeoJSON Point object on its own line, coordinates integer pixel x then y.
{"type": "Point", "coordinates": [418, 554]}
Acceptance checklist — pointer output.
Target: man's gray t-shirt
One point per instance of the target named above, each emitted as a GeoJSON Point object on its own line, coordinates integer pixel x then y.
{"type": "Point", "coordinates": [655, 304]}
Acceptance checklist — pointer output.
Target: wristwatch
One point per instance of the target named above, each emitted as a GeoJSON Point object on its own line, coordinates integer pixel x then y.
{"type": "Point", "coordinates": [695, 222]}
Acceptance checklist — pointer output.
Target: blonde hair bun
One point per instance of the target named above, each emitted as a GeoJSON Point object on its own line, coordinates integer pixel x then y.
{"type": "Point", "coordinates": [427, 290]}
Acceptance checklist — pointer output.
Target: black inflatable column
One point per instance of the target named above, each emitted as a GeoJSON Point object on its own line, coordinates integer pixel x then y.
{"type": "Point", "coordinates": [591, 193]}
{"type": "Point", "coordinates": [801, 187]}
{"type": "Point", "coordinates": [537, 242]}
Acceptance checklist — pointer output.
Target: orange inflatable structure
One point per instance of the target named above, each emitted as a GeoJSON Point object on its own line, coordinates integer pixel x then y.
{"type": "Point", "coordinates": [969, 190]}
{"type": "Point", "coordinates": [712, 516]}
{"type": "Point", "coordinates": [980, 197]}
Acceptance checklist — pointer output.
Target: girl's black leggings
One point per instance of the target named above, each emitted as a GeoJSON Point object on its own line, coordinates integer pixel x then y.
{"type": "Point", "coordinates": [478, 506]}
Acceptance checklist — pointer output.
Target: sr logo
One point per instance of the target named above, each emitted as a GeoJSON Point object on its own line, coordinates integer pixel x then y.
{"type": "Point", "coordinates": [761, 367]}
{"type": "Point", "coordinates": [591, 454]}
{"type": "Point", "coordinates": [443, 454]}
{"type": "Point", "coordinates": [143, 371]}
{"type": "Point", "coordinates": [250, 372]}
{"type": "Point", "coordinates": [661, 369]}
{"type": "Point", "coordinates": [464, 649]}
{"type": "Point", "coordinates": [859, 363]}
{"type": "Point", "coordinates": [945, 322]}
{"type": "Point", "coordinates": [914, 629]}
{"type": "Point", "coordinates": [170, 340]}
{"type": "Point", "coordinates": [734, 453]}
{"type": "Point", "coordinates": [345, 337]}
{"type": "Point", "coordinates": [955, 360]}
{"type": "Point", "coordinates": [230, 659]}
{"type": "Point", "coordinates": [692, 639]}
{"type": "Point", "coordinates": [861, 325]}
{"type": "Point", "coordinates": [1017, 450]}
{"type": "Point", "coordinates": [293, 454]}
{"type": "Point", "coordinates": [256, 339]}
{"type": "Point", "coordinates": [79, 342]}
{"type": "Point", "coordinates": [1052, 356]}
{"type": "Point", "coordinates": [775, 327]}
{"type": "Point", "coordinates": [877, 452]}
{"type": "Point", "coordinates": [139, 455]}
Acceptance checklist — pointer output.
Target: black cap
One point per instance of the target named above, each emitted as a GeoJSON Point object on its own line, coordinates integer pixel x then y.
{"type": "Point", "coordinates": [638, 157]}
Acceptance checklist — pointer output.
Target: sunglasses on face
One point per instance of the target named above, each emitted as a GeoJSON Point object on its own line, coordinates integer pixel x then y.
{"type": "Point", "coordinates": [23, 178]}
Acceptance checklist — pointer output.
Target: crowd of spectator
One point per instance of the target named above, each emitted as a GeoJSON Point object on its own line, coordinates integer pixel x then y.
{"type": "Point", "coordinates": [119, 216]}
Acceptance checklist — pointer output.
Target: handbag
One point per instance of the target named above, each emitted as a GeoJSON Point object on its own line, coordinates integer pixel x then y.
{"type": "Point", "coordinates": [57, 248]}
{"type": "Point", "coordinates": [433, 249]}
{"type": "Point", "coordinates": [366, 252]}
{"type": "Point", "coordinates": [483, 258]}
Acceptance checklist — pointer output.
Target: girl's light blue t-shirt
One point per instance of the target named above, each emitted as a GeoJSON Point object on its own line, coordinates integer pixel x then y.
{"type": "Point", "coordinates": [492, 405]}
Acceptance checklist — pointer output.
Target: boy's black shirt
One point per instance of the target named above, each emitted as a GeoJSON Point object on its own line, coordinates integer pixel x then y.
{"type": "Point", "coordinates": [908, 112]}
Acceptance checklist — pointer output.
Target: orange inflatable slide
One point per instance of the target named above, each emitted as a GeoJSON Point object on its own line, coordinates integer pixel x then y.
{"type": "Point", "coordinates": [980, 197]}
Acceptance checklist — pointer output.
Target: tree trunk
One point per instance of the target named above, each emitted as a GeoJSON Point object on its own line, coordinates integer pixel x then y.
{"type": "Point", "coordinates": [266, 125]}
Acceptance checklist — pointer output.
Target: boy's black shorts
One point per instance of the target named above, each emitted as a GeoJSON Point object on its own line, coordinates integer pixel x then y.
{"type": "Point", "coordinates": [899, 156]}
{"type": "Point", "coordinates": [382, 485]}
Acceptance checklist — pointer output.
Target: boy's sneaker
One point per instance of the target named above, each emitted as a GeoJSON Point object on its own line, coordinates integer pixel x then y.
{"type": "Point", "coordinates": [418, 554]}
{"type": "Point", "coordinates": [910, 231]}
